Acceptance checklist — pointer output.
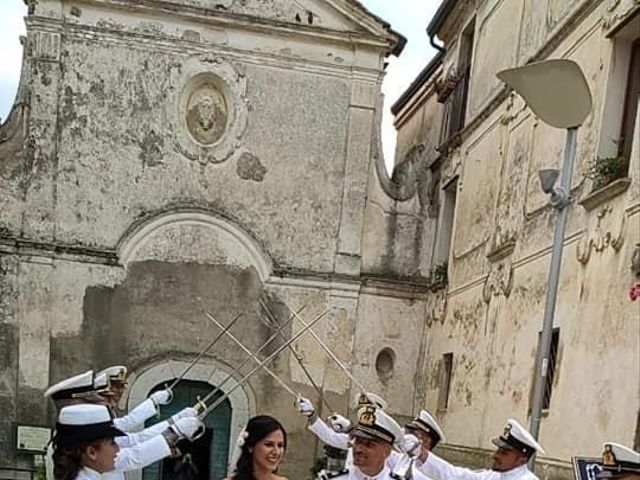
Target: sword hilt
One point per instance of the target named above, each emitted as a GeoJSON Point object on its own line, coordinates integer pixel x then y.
{"type": "Point", "coordinates": [170, 390]}
{"type": "Point", "coordinates": [199, 432]}
{"type": "Point", "coordinates": [200, 406]}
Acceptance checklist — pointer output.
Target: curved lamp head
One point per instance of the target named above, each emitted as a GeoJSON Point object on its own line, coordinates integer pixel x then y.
{"type": "Point", "coordinates": [556, 91]}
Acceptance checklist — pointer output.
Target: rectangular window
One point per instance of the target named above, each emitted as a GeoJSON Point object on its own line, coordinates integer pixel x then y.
{"type": "Point", "coordinates": [454, 90]}
{"type": "Point", "coordinates": [620, 109]}
{"type": "Point", "coordinates": [551, 371]}
{"type": "Point", "coordinates": [445, 228]}
{"type": "Point", "coordinates": [446, 367]}
{"type": "Point", "coordinates": [630, 104]}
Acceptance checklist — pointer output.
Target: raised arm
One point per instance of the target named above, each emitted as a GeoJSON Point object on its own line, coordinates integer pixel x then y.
{"type": "Point", "coordinates": [439, 469]}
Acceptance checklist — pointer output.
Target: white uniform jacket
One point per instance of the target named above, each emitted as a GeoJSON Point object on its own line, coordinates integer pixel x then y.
{"type": "Point", "coordinates": [355, 474]}
{"type": "Point", "coordinates": [87, 473]}
{"type": "Point", "coordinates": [439, 469]}
{"type": "Point", "coordinates": [133, 438]}
{"type": "Point", "coordinates": [138, 456]}
{"type": "Point", "coordinates": [134, 420]}
{"type": "Point", "coordinates": [396, 461]}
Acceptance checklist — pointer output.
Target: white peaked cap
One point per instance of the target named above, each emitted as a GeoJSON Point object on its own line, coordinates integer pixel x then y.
{"type": "Point", "coordinates": [515, 436]}
{"type": "Point", "coordinates": [84, 414]}
{"type": "Point", "coordinates": [118, 372]}
{"type": "Point", "coordinates": [619, 458]}
{"type": "Point", "coordinates": [425, 422]}
{"type": "Point", "coordinates": [65, 389]}
{"type": "Point", "coordinates": [368, 398]}
{"type": "Point", "coordinates": [84, 423]}
{"type": "Point", "coordinates": [101, 381]}
{"type": "Point", "coordinates": [375, 424]}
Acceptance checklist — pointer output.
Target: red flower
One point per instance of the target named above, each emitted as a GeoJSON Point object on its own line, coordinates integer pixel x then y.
{"type": "Point", "coordinates": [634, 292]}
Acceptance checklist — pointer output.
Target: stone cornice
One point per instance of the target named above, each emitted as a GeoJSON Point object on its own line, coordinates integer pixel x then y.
{"type": "Point", "coordinates": [215, 18]}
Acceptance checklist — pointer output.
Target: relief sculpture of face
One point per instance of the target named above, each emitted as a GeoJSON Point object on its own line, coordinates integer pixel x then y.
{"type": "Point", "coordinates": [206, 114]}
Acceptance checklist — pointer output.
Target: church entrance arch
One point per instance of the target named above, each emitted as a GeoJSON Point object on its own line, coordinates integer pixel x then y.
{"type": "Point", "coordinates": [211, 451]}
{"type": "Point", "coordinates": [223, 425]}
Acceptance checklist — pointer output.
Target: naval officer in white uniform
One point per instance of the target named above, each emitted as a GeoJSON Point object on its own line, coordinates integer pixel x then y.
{"type": "Point", "coordinates": [515, 447]}
{"type": "Point", "coordinates": [336, 434]}
{"type": "Point", "coordinates": [372, 441]}
{"type": "Point", "coordinates": [426, 429]}
{"type": "Point", "coordinates": [84, 446]}
{"type": "Point", "coordinates": [137, 450]}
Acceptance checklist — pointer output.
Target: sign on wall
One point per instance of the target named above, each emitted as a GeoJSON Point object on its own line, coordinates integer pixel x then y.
{"type": "Point", "coordinates": [32, 438]}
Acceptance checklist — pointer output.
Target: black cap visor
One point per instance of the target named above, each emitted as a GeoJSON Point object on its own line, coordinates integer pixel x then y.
{"type": "Point", "coordinates": [511, 443]}
{"type": "Point", "coordinates": [72, 435]}
{"type": "Point", "coordinates": [417, 424]}
{"type": "Point", "coordinates": [369, 433]}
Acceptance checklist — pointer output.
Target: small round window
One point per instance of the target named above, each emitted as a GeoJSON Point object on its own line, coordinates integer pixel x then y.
{"type": "Point", "coordinates": [385, 362]}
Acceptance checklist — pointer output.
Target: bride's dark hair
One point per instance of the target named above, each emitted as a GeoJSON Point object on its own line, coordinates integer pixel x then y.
{"type": "Point", "coordinates": [257, 429]}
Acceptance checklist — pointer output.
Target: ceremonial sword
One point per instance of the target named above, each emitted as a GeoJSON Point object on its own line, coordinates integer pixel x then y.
{"type": "Point", "coordinates": [201, 404]}
{"type": "Point", "coordinates": [197, 359]}
{"type": "Point", "coordinates": [329, 352]}
{"type": "Point", "coordinates": [244, 379]}
{"type": "Point", "coordinates": [246, 350]}
{"type": "Point", "coordinates": [335, 359]}
{"type": "Point", "coordinates": [298, 358]}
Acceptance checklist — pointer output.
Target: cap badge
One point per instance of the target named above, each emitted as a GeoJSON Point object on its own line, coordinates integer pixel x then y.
{"type": "Point", "coordinates": [608, 457]}
{"type": "Point", "coordinates": [507, 430]}
{"type": "Point", "coordinates": [368, 416]}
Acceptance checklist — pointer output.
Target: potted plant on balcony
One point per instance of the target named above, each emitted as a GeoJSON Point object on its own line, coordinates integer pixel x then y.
{"type": "Point", "coordinates": [605, 170]}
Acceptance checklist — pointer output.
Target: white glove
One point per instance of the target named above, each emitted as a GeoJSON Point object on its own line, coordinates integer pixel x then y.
{"type": "Point", "coordinates": [339, 423]}
{"type": "Point", "coordinates": [184, 413]}
{"type": "Point", "coordinates": [161, 397]}
{"type": "Point", "coordinates": [411, 445]}
{"type": "Point", "coordinates": [187, 427]}
{"type": "Point", "coordinates": [305, 406]}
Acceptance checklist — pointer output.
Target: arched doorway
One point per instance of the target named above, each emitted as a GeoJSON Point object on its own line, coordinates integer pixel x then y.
{"type": "Point", "coordinates": [211, 451]}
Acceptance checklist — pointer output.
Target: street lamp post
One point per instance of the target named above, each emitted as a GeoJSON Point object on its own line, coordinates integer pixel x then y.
{"type": "Point", "coordinates": [558, 93]}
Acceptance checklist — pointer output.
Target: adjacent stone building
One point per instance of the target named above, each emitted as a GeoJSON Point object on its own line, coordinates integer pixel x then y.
{"type": "Point", "coordinates": [165, 158]}
{"type": "Point", "coordinates": [468, 155]}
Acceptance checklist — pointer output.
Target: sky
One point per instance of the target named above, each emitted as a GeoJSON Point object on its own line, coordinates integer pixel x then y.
{"type": "Point", "coordinates": [408, 17]}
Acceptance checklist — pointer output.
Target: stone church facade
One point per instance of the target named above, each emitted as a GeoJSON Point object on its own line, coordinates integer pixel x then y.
{"type": "Point", "coordinates": [467, 158]}
{"type": "Point", "coordinates": [167, 158]}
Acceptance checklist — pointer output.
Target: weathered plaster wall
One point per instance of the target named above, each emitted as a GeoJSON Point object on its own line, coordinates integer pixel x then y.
{"type": "Point", "coordinates": [492, 310]}
{"type": "Point", "coordinates": [162, 154]}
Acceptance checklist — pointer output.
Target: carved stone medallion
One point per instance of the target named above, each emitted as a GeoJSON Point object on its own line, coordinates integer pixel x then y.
{"type": "Point", "coordinates": [206, 114]}
{"type": "Point", "coordinates": [211, 109]}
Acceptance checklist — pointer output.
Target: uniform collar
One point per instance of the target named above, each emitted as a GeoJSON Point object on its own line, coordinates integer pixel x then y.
{"type": "Point", "coordinates": [515, 472]}
{"type": "Point", "coordinates": [382, 475]}
{"type": "Point", "coordinates": [88, 473]}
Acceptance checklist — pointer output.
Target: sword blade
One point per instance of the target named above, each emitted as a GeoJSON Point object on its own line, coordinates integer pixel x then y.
{"type": "Point", "coordinates": [244, 379]}
{"type": "Point", "coordinates": [332, 355]}
{"type": "Point", "coordinates": [251, 355]}
{"type": "Point", "coordinates": [246, 360]}
{"type": "Point", "coordinates": [203, 352]}
{"type": "Point", "coordinates": [299, 359]}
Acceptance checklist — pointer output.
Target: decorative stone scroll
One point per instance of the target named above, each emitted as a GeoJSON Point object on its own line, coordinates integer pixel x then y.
{"type": "Point", "coordinates": [499, 281]}
{"type": "Point", "coordinates": [210, 109]}
{"type": "Point", "coordinates": [607, 232]}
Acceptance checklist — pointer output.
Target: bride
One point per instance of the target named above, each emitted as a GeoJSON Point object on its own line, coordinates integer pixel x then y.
{"type": "Point", "coordinates": [262, 446]}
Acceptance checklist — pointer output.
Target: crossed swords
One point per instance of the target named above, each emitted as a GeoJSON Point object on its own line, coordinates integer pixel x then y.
{"type": "Point", "coordinates": [202, 405]}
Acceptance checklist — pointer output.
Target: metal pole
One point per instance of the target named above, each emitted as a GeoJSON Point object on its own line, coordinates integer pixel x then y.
{"type": "Point", "coordinates": [544, 347]}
